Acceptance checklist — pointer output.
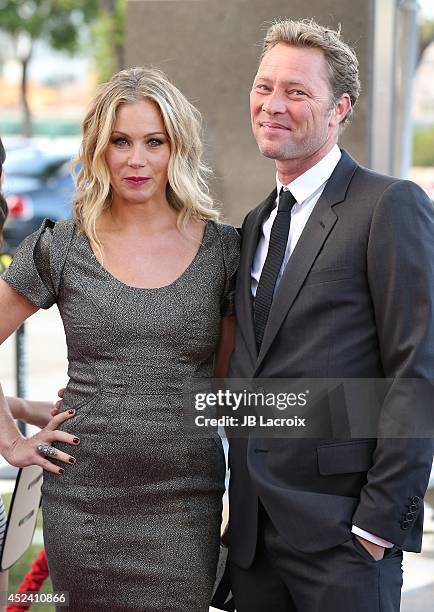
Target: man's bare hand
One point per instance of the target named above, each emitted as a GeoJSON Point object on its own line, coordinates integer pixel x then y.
{"type": "Point", "coordinates": [376, 551]}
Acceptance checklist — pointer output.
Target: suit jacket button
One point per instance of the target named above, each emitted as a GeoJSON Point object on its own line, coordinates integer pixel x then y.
{"type": "Point", "coordinates": [405, 525]}
{"type": "Point", "coordinates": [409, 516]}
{"type": "Point", "coordinates": [415, 499]}
{"type": "Point", "coordinates": [413, 508]}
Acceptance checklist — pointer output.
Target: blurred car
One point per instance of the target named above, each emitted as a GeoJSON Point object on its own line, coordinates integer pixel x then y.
{"type": "Point", "coordinates": [38, 184]}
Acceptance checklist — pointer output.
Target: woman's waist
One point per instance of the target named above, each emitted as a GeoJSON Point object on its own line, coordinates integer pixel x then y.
{"type": "Point", "coordinates": [136, 379]}
{"type": "Point", "coordinates": [76, 394]}
{"type": "Point", "coordinates": [80, 389]}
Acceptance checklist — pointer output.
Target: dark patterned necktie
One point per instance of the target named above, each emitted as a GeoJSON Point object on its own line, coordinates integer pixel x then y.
{"type": "Point", "coordinates": [270, 271]}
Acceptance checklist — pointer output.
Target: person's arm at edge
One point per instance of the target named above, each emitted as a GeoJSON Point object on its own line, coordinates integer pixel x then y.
{"type": "Point", "coordinates": [37, 413]}
{"type": "Point", "coordinates": [15, 310]}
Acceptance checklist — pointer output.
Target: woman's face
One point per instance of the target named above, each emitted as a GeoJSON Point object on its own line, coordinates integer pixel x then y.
{"type": "Point", "coordinates": [138, 154]}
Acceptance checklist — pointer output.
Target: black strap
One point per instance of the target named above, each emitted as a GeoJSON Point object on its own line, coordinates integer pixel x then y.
{"type": "Point", "coordinates": [273, 263]}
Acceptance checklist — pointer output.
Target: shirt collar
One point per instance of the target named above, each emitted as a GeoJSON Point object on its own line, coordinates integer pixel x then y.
{"type": "Point", "coordinates": [307, 183]}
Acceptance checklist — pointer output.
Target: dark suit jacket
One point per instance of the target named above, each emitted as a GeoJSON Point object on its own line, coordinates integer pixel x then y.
{"type": "Point", "coordinates": [356, 300]}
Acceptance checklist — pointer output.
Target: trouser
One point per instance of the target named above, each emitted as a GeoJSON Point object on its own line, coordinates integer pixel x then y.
{"type": "Point", "coordinates": [345, 578]}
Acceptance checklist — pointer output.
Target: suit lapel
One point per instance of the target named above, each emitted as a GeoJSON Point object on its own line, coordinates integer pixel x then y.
{"type": "Point", "coordinates": [310, 243]}
{"type": "Point", "coordinates": [250, 237]}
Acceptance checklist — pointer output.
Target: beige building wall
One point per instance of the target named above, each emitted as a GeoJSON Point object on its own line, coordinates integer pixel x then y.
{"type": "Point", "coordinates": [210, 50]}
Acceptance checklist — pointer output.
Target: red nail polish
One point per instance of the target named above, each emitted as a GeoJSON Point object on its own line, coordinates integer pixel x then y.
{"type": "Point", "coordinates": [61, 471]}
{"type": "Point", "coordinates": [76, 441]}
{"type": "Point", "coordinates": [71, 411]}
{"type": "Point", "coordinates": [71, 460]}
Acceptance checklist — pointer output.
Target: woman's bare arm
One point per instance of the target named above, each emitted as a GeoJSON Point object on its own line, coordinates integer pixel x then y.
{"type": "Point", "coordinates": [30, 411]}
{"type": "Point", "coordinates": [15, 448]}
{"type": "Point", "coordinates": [15, 309]}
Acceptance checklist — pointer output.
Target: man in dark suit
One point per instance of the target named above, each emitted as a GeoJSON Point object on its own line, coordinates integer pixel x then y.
{"type": "Point", "coordinates": [336, 281]}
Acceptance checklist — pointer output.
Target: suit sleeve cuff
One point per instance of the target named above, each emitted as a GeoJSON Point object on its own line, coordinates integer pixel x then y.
{"type": "Point", "coordinates": [371, 537]}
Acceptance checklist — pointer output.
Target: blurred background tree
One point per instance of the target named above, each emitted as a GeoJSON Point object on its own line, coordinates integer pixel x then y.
{"type": "Point", "coordinates": [58, 22]}
{"type": "Point", "coordinates": [423, 128]}
{"type": "Point", "coordinates": [426, 36]}
{"type": "Point", "coordinates": [423, 146]}
{"type": "Point", "coordinates": [108, 34]}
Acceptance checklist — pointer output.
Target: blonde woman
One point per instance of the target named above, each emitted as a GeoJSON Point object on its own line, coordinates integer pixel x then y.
{"type": "Point", "coordinates": [143, 281]}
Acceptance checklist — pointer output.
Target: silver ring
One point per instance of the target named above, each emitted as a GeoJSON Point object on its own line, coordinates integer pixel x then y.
{"type": "Point", "coordinates": [46, 450]}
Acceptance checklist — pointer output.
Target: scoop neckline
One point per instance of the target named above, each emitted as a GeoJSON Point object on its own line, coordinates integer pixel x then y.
{"type": "Point", "coordinates": [163, 287]}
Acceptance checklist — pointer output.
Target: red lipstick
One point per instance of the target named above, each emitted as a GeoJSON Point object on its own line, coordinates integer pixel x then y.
{"type": "Point", "coordinates": [136, 180]}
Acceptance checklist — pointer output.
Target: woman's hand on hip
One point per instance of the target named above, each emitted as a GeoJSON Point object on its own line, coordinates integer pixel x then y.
{"type": "Point", "coordinates": [38, 449]}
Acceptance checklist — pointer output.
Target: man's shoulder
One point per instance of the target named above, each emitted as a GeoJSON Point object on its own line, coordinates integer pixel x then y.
{"type": "Point", "coordinates": [359, 172]}
{"type": "Point", "coordinates": [377, 184]}
{"type": "Point", "coordinates": [375, 187]}
{"type": "Point", "coordinates": [374, 178]}
{"type": "Point", "coordinates": [389, 199]}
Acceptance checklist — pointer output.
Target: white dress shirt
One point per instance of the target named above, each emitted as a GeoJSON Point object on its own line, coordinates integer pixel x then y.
{"type": "Point", "coordinates": [306, 189]}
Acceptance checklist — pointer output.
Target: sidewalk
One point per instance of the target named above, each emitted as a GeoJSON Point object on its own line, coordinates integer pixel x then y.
{"type": "Point", "coordinates": [418, 590]}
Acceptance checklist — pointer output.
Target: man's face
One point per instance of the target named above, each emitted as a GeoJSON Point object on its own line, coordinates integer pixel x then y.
{"type": "Point", "coordinates": [292, 112]}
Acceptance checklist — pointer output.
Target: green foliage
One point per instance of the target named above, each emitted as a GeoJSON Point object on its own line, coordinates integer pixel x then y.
{"type": "Point", "coordinates": [108, 33]}
{"type": "Point", "coordinates": [423, 146]}
{"type": "Point", "coordinates": [426, 36]}
{"type": "Point", "coordinates": [56, 21]}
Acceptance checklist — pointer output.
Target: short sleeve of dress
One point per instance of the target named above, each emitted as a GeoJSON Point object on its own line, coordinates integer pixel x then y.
{"type": "Point", "coordinates": [31, 272]}
{"type": "Point", "coordinates": [230, 242]}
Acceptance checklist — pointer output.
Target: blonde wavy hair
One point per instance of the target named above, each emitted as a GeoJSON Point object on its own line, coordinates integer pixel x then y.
{"type": "Point", "coordinates": [187, 189]}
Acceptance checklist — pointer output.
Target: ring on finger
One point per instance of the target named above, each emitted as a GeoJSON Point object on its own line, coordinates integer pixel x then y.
{"type": "Point", "coordinates": [46, 450]}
